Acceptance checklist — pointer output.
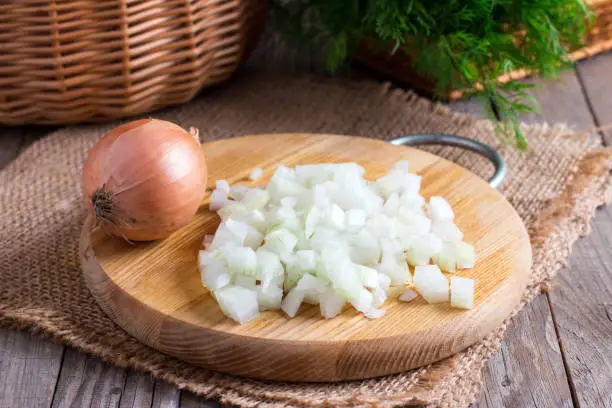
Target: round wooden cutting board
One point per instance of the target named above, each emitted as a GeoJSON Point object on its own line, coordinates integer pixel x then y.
{"type": "Point", "coordinates": [153, 290]}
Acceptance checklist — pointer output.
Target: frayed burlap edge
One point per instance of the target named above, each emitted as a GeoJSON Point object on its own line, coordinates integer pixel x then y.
{"type": "Point", "coordinates": [454, 382]}
{"type": "Point", "coordinates": [565, 220]}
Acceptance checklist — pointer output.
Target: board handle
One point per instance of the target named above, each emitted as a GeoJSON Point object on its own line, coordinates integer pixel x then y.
{"type": "Point", "coordinates": [462, 142]}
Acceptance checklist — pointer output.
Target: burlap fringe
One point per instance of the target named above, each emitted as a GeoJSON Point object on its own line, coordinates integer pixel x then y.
{"type": "Point", "coordinates": [558, 226]}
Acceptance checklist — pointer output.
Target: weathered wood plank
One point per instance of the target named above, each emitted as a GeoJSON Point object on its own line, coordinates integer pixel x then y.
{"type": "Point", "coordinates": [190, 400]}
{"type": "Point", "coordinates": [511, 378]}
{"type": "Point", "coordinates": [528, 370]}
{"type": "Point", "coordinates": [582, 304]}
{"type": "Point", "coordinates": [580, 307]}
{"type": "Point", "coordinates": [561, 101]}
{"type": "Point", "coordinates": [470, 106]}
{"type": "Point", "coordinates": [138, 390]}
{"type": "Point", "coordinates": [595, 74]}
{"type": "Point", "coordinates": [87, 381]}
{"type": "Point", "coordinates": [29, 367]}
{"type": "Point", "coordinates": [165, 395]}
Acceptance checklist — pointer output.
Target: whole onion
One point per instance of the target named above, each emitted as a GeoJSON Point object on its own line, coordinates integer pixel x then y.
{"type": "Point", "coordinates": [144, 179]}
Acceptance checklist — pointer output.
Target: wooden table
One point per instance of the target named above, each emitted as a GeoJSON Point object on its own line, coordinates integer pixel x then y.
{"type": "Point", "coordinates": [557, 352]}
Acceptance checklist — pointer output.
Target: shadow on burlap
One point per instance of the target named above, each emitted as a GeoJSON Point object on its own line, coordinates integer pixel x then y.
{"type": "Point", "coordinates": [555, 189]}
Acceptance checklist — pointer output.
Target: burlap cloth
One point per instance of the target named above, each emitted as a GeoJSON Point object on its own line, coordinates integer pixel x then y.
{"type": "Point", "coordinates": [555, 189]}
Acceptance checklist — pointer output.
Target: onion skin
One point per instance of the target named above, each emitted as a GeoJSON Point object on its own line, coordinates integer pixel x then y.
{"type": "Point", "coordinates": [144, 180]}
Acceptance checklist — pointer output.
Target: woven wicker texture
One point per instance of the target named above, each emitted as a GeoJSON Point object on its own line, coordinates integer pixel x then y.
{"type": "Point", "coordinates": [555, 190]}
{"type": "Point", "coordinates": [70, 61]}
{"type": "Point", "coordinates": [398, 67]}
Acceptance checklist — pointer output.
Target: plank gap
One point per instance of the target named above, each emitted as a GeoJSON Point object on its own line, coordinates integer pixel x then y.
{"type": "Point", "coordinates": [153, 393]}
{"type": "Point", "coordinates": [566, 367]}
{"type": "Point", "coordinates": [59, 373]}
{"type": "Point", "coordinates": [589, 105]}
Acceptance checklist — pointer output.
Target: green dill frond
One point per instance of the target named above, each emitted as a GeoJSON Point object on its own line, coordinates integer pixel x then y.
{"type": "Point", "coordinates": [458, 44]}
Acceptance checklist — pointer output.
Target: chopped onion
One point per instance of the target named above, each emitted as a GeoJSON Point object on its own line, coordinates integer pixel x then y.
{"type": "Point", "coordinates": [375, 313]}
{"type": "Point", "coordinates": [322, 235]}
{"type": "Point", "coordinates": [408, 296]}
{"type": "Point", "coordinates": [465, 254]}
{"type": "Point", "coordinates": [462, 292]}
{"type": "Point", "coordinates": [238, 191]}
{"type": "Point", "coordinates": [238, 303]}
{"type": "Point", "coordinates": [291, 303]}
{"type": "Point", "coordinates": [218, 199]}
{"type": "Point", "coordinates": [256, 174]}
{"type": "Point", "coordinates": [223, 185]}
{"type": "Point", "coordinates": [431, 283]}
{"type": "Point", "coordinates": [331, 304]}
{"type": "Point", "coordinates": [439, 209]}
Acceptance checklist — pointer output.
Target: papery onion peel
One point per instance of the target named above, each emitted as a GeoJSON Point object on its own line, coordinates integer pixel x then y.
{"type": "Point", "coordinates": [144, 179]}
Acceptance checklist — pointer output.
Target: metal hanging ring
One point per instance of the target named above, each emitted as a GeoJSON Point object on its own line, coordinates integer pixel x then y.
{"type": "Point", "coordinates": [462, 142]}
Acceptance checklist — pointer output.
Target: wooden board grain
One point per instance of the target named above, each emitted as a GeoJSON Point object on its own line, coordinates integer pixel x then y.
{"type": "Point", "coordinates": [153, 290]}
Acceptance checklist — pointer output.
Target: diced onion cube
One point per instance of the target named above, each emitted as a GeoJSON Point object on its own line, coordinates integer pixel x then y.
{"type": "Point", "coordinates": [375, 313]}
{"type": "Point", "coordinates": [218, 200]}
{"type": "Point", "coordinates": [223, 185]}
{"type": "Point", "coordinates": [311, 298]}
{"type": "Point", "coordinates": [402, 166]}
{"type": "Point", "coordinates": [384, 282]}
{"type": "Point", "coordinates": [379, 297]}
{"type": "Point", "coordinates": [269, 298]}
{"type": "Point", "coordinates": [431, 283]}
{"type": "Point", "coordinates": [255, 198]}
{"type": "Point", "coordinates": [447, 231]}
{"type": "Point", "coordinates": [355, 218]}
{"type": "Point", "coordinates": [462, 292]}
{"type": "Point", "coordinates": [307, 259]}
{"type": "Point", "coordinates": [269, 267]}
{"type": "Point", "coordinates": [331, 304]}
{"type": "Point", "coordinates": [412, 202]}
{"type": "Point", "coordinates": [368, 276]}
{"type": "Point", "coordinates": [281, 241]}
{"type": "Point", "coordinates": [245, 281]}
{"type": "Point", "coordinates": [423, 249]}
{"type": "Point", "coordinates": [215, 275]}
{"type": "Point", "coordinates": [411, 184]}
{"type": "Point", "coordinates": [363, 301]}
{"type": "Point", "coordinates": [335, 215]}
{"type": "Point", "coordinates": [238, 303]}
{"type": "Point", "coordinates": [466, 257]}
{"type": "Point", "coordinates": [439, 209]}
{"type": "Point", "coordinates": [408, 296]}
{"type": "Point", "coordinates": [292, 301]}
{"type": "Point", "coordinates": [447, 258]}
{"type": "Point", "coordinates": [237, 192]}
{"type": "Point", "coordinates": [309, 283]}
{"type": "Point", "coordinates": [256, 174]}
{"type": "Point", "coordinates": [241, 260]}
{"type": "Point", "coordinates": [207, 240]}
{"type": "Point", "coordinates": [312, 219]}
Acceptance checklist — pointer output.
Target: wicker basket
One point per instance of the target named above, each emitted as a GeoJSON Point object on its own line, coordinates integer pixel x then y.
{"type": "Point", "coordinates": [398, 66]}
{"type": "Point", "coordinates": [69, 61]}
